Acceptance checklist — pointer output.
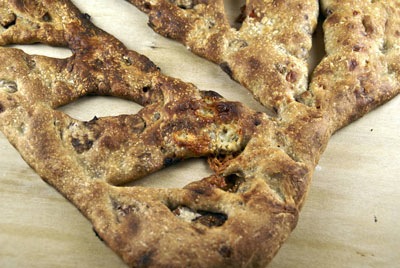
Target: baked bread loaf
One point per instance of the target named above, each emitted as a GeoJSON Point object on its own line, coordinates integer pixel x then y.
{"type": "Point", "coordinates": [263, 163]}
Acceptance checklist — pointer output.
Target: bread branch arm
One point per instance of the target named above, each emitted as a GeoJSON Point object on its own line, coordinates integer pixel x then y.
{"type": "Point", "coordinates": [267, 54]}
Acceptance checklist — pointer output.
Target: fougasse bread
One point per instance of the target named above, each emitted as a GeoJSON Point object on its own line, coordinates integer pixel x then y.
{"type": "Point", "coordinates": [262, 162]}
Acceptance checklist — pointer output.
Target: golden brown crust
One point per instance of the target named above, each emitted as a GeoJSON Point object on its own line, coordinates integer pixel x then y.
{"type": "Point", "coordinates": [267, 54]}
{"type": "Point", "coordinates": [361, 52]}
{"type": "Point", "coordinates": [83, 159]}
{"type": "Point", "coordinates": [263, 165]}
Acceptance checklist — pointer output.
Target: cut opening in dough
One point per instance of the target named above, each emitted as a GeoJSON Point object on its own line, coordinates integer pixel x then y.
{"type": "Point", "coordinates": [175, 176]}
{"type": "Point", "coordinates": [45, 50]}
{"type": "Point", "coordinates": [88, 107]}
{"type": "Point", "coordinates": [233, 11]}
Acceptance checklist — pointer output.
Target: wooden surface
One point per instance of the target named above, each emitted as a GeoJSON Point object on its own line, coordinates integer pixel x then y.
{"type": "Point", "coordinates": [351, 217]}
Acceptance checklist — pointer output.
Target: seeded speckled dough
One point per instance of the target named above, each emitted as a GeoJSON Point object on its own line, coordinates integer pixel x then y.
{"type": "Point", "coordinates": [268, 54]}
{"type": "Point", "coordinates": [361, 69]}
{"type": "Point", "coordinates": [241, 215]}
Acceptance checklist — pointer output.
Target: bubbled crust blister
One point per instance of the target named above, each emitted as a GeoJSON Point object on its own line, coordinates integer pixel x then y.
{"type": "Point", "coordinates": [263, 164]}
